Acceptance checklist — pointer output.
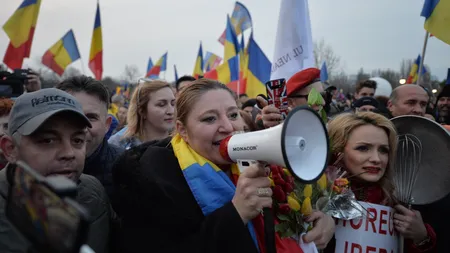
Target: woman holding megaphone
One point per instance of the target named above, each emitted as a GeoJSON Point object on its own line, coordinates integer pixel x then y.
{"type": "Point", "coordinates": [180, 195]}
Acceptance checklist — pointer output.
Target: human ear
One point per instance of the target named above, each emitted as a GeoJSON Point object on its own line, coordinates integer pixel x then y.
{"type": "Point", "coordinates": [9, 149]}
{"type": "Point", "coordinates": [182, 131]}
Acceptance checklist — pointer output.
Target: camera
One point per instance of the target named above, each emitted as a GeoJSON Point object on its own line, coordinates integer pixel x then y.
{"type": "Point", "coordinates": [12, 84]}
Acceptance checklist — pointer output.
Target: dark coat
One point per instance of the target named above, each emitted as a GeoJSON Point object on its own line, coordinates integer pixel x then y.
{"type": "Point", "coordinates": [100, 163]}
{"type": "Point", "coordinates": [159, 212]}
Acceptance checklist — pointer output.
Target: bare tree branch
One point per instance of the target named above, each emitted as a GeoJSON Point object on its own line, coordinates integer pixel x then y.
{"type": "Point", "coordinates": [325, 53]}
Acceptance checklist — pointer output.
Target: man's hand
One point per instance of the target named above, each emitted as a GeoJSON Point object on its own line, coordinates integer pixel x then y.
{"type": "Point", "coordinates": [322, 231]}
{"type": "Point", "coordinates": [33, 82]}
{"type": "Point", "coordinates": [271, 116]}
{"type": "Point", "coordinates": [409, 223]}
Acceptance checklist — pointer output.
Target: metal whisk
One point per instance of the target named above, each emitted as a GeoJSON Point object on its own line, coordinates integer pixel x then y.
{"type": "Point", "coordinates": [407, 161]}
{"type": "Point", "coordinates": [406, 169]}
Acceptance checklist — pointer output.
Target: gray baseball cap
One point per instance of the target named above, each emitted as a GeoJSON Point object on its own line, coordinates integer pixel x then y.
{"type": "Point", "coordinates": [32, 109]}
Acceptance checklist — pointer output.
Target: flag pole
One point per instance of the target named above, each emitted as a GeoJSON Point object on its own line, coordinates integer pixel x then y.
{"type": "Point", "coordinates": [419, 75]}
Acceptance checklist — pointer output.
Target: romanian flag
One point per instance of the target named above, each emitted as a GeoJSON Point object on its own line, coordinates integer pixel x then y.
{"type": "Point", "coordinates": [150, 64]}
{"type": "Point", "coordinates": [437, 18]}
{"type": "Point", "coordinates": [96, 54]}
{"type": "Point", "coordinates": [226, 73]}
{"type": "Point", "coordinates": [20, 30]}
{"type": "Point", "coordinates": [161, 65]}
{"type": "Point", "coordinates": [231, 46]}
{"type": "Point", "coordinates": [211, 61]}
{"type": "Point", "coordinates": [241, 20]}
{"type": "Point", "coordinates": [62, 53]}
{"type": "Point", "coordinates": [413, 74]}
{"type": "Point", "coordinates": [258, 70]}
{"type": "Point", "coordinates": [198, 68]}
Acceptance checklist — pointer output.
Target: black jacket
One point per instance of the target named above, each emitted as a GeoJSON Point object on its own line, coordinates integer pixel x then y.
{"type": "Point", "coordinates": [91, 195]}
{"type": "Point", "coordinates": [159, 213]}
{"type": "Point", "coordinates": [100, 163]}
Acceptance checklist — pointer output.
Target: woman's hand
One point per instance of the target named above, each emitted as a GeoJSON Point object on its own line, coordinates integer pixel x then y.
{"type": "Point", "coordinates": [409, 224]}
{"type": "Point", "coordinates": [323, 229]}
{"type": "Point", "coordinates": [253, 192]}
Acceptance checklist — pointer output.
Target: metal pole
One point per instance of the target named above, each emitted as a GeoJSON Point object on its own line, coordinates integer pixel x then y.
{"type": "Point", "coordinates": [419, 75]}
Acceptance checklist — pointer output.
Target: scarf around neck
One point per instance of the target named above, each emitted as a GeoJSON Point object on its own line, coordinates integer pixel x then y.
{"type": "Point", "coordinates": [211, 187]}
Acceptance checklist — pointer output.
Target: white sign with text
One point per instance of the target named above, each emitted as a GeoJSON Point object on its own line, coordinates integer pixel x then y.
{"type": "Point", "coordinates": [373, 234]}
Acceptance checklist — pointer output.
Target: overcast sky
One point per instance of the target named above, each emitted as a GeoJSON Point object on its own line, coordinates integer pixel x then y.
{"type": "Point", "coordinates": [365, 33]}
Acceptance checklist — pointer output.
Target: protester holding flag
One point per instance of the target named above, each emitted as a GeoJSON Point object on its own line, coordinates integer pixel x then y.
{"type": "Point", "coordinates": [364, 146]}
{"type": "Point", "coordinates": [150, 115]}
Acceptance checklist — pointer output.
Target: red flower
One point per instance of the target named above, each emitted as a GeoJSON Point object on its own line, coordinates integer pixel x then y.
{"type": "Point", "coordinates": [279, 194]}
{"type": "Point", "coordinates": [284, 208]}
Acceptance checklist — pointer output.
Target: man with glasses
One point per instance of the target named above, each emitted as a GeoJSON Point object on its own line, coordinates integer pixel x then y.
{"type": "Point", "coordinates": [298, 88]}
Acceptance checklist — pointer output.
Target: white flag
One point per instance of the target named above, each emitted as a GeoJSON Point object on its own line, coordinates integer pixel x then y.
{"type": "Point", "coordinates": [293, 44]}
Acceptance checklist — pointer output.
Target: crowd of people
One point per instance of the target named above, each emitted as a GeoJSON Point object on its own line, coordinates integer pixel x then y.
{"type": "Point", "coordinates": [150, 173]}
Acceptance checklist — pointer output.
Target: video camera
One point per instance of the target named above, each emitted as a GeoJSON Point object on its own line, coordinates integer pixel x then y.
{"type": "Point", "coordinates": [12, 84]}
{"type": "Point", "coordinates": [44, 212]}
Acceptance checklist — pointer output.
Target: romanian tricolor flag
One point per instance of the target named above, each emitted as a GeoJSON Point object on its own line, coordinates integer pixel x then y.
{"type": "Point", "coordinates": [96, 54]}
{"type": "Point", "coordinates": [414, 73]}
{"type": "Point", "coordinates": [241, 20]}
{"type": "Point", "coordinates": [231, 46]}
{"type": "Point", "coordinates": [198, 68]}
{"type": "Point", "coordinates": [150, 64]}
{"type": "Point", "coordinates": [161, 65]}
{"type": "Point", "coordinates": [437, 18]}
{"type": "Point", "coordinates": [226, 73]}
{"type": "Point", "coordinates": [20, 30]}
{"type": "Point", "coordinates": [211, 61]}
{"type": "Point", "coordinates": [62, 53]}
{"type": "Point", "coordinates": [258, 70]}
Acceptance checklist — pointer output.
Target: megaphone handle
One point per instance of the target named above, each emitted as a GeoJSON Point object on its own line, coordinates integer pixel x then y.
{"type": "Point", "coordinates": [269, 231]}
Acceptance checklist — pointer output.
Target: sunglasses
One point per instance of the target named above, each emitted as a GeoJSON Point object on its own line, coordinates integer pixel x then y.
{"type": "Point", "coordinates": [323, 93]}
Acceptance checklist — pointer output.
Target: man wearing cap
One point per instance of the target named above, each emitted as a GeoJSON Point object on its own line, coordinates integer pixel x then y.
{"type": "Point", "coordinates": [298, 88]}
{"type": "Point", "coordinates": [47, 130]}
{"type": "Point", "coordinates": [366, 104]}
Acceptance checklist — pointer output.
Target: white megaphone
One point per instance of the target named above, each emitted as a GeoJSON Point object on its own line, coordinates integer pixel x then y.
{"type": "Point", "coordinates": [300, 144]}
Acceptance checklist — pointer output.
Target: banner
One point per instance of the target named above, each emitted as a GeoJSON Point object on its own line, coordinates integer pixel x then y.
{"type": "Point", "coordinates": [373, 234]}
{"type": "Point", "coordinates": [293, 44]}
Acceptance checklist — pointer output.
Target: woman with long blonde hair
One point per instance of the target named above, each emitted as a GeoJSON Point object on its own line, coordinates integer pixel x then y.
{"type": "Point", "coordinates": [364, 145]}
{"type": "Point", "coordinates": [151, 114]}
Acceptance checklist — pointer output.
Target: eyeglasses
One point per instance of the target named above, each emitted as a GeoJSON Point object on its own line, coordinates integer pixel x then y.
{"type": "Point", "coordinates": [323, 93]}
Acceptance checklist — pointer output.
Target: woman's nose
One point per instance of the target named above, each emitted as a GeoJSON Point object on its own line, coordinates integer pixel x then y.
{"type": "Point", "coordinates": [375, 157]}
{"type": "Point", "coordinates": [226, 126]}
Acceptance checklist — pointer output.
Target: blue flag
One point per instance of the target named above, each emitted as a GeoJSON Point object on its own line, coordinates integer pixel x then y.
{"type": "Point", "coordinates": [324, 73]}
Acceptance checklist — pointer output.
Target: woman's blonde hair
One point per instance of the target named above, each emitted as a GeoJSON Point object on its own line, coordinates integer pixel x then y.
{"type": "Point", "coordinates": [137, 108]}
{"type": "Point", "coordinates": [190, 95]}
{"type": "Point", "coordinates": [340, 128]}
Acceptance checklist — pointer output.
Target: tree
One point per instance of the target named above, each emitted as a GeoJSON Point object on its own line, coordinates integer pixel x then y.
{"type": "Point", "coordinates": [131, 74]}
{"type": "Point", "coordinates": [392, 76]}
{"type": "Point", "coordinates": [110, 83]}
{"type": "Point", "coordinates": [325, 53]}
{"type": "Point", "coordinates": [361, 75]}
{"type": "Point", "coordinates": [341, 81]}
{"type": "Point", "coordinates": [49, 79]}
{"type": "Point", "coordinates": [405, 67]}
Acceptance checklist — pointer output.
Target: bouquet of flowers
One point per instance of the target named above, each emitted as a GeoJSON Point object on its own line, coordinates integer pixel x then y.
{"type": "Point", "coordinates": [292, 202]}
